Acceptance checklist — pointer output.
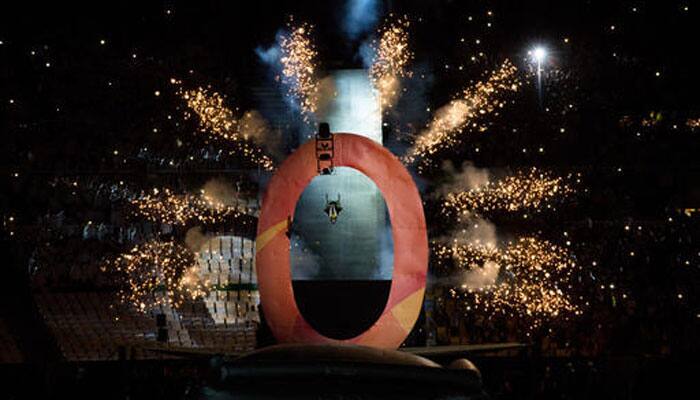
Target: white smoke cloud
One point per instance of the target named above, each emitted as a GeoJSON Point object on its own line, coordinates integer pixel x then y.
{"type": "Point", "coordinates": [195, 239]}
{"type": "Point", "coordinates": [386, 254]}
{"type": "Point", "coordinates": [306, 264]}
{"type": "Point", "coordinates": [480, 277]}
{"type": "Point", "coordinates": [473, 230]}
{"type": "Point", "coordinates": [326, 94]}
{"type": "Point", "coordinates": [269, 55]}
{"type": "Point", "coordinates": [476, 231]}
{"type": "Point", "coordinates": [467, 178]}
{"type": "Point", "coordinates": [220, 191]}
{"type": "Point", "coordinates": [254, 127]}
{"type": "Point", "coordinates": [360, 17]}
{"type": "Point", "coordinates": [367, 53]}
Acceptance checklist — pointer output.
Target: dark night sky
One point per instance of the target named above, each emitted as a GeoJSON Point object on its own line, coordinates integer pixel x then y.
{"type": "Point", "coordinates": [216, 38]}
{"type": "Point", "coordinates": [68, 100]}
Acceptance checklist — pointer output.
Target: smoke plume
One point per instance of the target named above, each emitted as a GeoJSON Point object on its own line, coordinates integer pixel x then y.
{"type": "Point", "coordinates": [195, 239]}
{"type": "Point", "coordinates": [220, 191]}
{"type": "Point", "coordinates": [467, 178]}
{"type": "Point", "coordinates": [326, 93]}
{"type": "Point", "coordinates": [360, 17]}
{"type": "Point", "coordinates": [386, 253]}
{"type": "Point", "coordinates": [476, 231]}
{"type": "Point", "coordinates": [270, 56]}
{"type": "Point", "coordinates": [480, 277]}
{"type": "Point", "coordinates": [306, 263]}
{"type": "Point", "coordinates": [254, 127]}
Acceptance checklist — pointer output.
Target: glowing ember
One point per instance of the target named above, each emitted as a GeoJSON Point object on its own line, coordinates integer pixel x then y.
{"type": "Point", "coordinates": [299, 67]}
{"type": "Point", "coordinates": [532, 279]}
{"type": "Point", "coordinates": [164, 206]}
{"type": "Point", "coordinates": [219, 121]}
{"type": "Point", "coordinates": [158, 274]}
{"type": "Point", "coordinates": [391, 55]}
{"type": "Point", "coordinates": [446, 128]}
{"type": "Point", "coordinates": [526, 190]}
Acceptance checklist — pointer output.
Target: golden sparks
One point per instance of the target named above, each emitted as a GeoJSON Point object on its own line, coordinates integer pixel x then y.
{"type": "Point", "coordinates": [448, 123]}
{"type": "Point", "coordinates": [391, 56]}
{"type": "Point", "coordinates": [533, 279]}
{"type": "Point", "coordinates": [164, 206]}
{"type": "Point", "coordinates": [219, 121]}
{"type": "Point", "coordinates": [158, 273]}
{"type": "Point", "coordinates": [299, 62]}
{"type": "Point", "coordinates": [525, 190]}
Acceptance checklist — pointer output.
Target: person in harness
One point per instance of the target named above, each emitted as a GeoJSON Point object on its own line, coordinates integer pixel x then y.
{"type": "Point", "coordinates": [333, 209]}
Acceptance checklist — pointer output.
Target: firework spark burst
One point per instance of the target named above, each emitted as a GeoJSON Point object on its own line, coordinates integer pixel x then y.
{"type": "Point", "coordinates": [165, 206]}
{"type": "Point", "coordinates": [299, 63]}
{"type": "Point", "coordinates": [391, 56]}
{"type": "Point", "coordinates": [465, 113]}
{"type": "Point", "coordinates": [220, 122]}
{"type": "Point", "coordinates": [526, 190]}
{"type": "Point", "coordinates": [532, 279]}
{"type": "Point", "coordinates": [158, 273]}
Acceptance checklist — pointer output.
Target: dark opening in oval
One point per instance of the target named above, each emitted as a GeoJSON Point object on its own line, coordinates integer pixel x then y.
{"type": "Point", "coordinates": [341, 253]}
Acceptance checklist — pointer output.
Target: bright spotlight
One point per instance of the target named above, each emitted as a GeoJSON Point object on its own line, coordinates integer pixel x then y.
{"type": "Point", "coordinates": [539, 54]}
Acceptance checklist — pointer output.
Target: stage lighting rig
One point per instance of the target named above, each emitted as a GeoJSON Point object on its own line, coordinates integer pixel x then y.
{"type": "Point", "coordinates": [324, 149]}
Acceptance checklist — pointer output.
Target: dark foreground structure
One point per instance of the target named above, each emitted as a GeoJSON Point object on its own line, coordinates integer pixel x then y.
{"type": "Point", "coordinates": [281, 376]}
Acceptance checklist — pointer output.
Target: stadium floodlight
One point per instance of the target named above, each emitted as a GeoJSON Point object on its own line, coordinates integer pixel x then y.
{"type": "Point", "coordinates": [539, 53]}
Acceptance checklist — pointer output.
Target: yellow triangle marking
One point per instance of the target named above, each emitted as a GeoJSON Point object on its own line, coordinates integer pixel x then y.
{"type": "Point", "coordinates": [264, 238]}
{"type": "Point", "coordinates": [407, 310]}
